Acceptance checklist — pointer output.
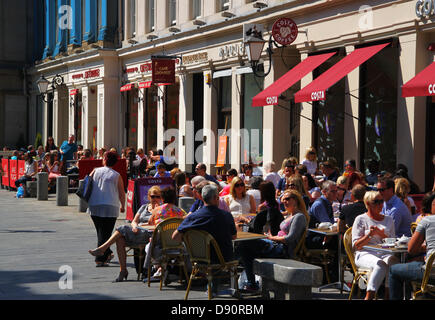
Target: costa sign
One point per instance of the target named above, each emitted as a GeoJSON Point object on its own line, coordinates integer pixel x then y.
{"type": "Point", "coordinates": [425, 8]}
{"type": "Point", "coordinates": [272, 100]}
{"type": "Point", "coordinates": [284, 31]}
{"type": "Point", "coordinates": [432, 89]}
{"type": "Point", "coordinates": [318, 95]}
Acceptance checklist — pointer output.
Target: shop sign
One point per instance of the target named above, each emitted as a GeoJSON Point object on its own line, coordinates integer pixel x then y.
{"type": "Point", "coordinates": [73, 92]}
{"type": "Point", "coordinates": [425, 8]}
{"type": "Point", "coordinates": [132, 70]}
{"type": "Point", "coordinates": [232, 50]}
{"type": "Point", "coordinates": [163, 71]}
{"type": "Point", "coordinates": [319, 95]}
{"type": "Point", "coordinates": [432, 89]}
{"type": "Point", "coordinates": [195, 58]}
{"type": "Point", "coordinates": [86, 75]}
{"type": "Point", "coordinates": [284, 31]}
{"type": "Point", "coordinates": [146, 67]}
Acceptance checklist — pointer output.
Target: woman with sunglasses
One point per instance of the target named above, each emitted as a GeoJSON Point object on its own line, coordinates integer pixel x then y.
{"type": "Point", "coordinates": [371, 228]}
{"type": "Point", "coordinates": [238, 200]}
{"type": "Point", "coordinates": [129, 235]}
{"type": "Point", "coordinates": [50, 145]}
{"type": "Point", "coordinates": [283, 244]}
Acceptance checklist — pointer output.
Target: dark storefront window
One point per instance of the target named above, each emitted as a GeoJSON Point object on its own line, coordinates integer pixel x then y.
{"type": "Point", "coordinates": [78, 118]}
{"type": "Point", "coordinates": [151, 118]}
{"type": "Point", "coordinates": [131, 118]}
{"type": "Point", "coordinates": [252, 120]}
{"type": "Point", "coordinates": [378, 109]}
{"type": "Point", "coordinates": [328, 118]}
{"type": "Point", "coordinates": [171, 116]}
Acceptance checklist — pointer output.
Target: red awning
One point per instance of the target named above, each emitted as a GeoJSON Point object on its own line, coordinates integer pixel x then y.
{"type": "Point", "coordinates": [146, 84]}
{"type": "Point", "coordinates": [127, 87]}
{"type": "Point", "coordinates": [269, 96]}
{"type": "Point", "coordinates": [423, 84]}
{"type": "Point", "coordinates": [315, 91]}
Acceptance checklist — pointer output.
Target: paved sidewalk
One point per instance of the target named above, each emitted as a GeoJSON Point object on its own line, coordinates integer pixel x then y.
{"type": "Point", "coordinates": [38, 238]}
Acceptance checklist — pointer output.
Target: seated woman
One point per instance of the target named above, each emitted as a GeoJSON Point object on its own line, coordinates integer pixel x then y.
{"type": "Point", "coordinates": [269, 216]}
{"type": "Point", "coordinates": [238, 201]}
{"type": "Point", "coordinates": [295, 182]}
{"type": "Point", "coordinates": [167, 210]}
{"type": "Point", "coordinates": [183, 187]}
{"type": "Point", "coordinates": [427, 206]}
{"type": "Point", "coordinates": [129, 235]}
{"type": "Point", "coordinates": [280, 246]}
{"type": "Point", "coordinates": [369, 229]}
{"type": "Point", "coordinates": [53, 168]}
{"type": "Point", "coordinates": [422, 242]}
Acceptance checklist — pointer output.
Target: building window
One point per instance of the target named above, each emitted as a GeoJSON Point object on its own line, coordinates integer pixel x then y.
{"type": "Point", "coordinates": [328, 119]}
{"type": "Point", "coordinates": [150, 16]}
{"type": "Point", "coordinates": [151, 118]}
{"type": "Point", "coordinates": [99, 17]}
{"type": "Point", "coordinates": [83, 8]}
{"type": "Point", "coordinates": [222, 5]}
{"type": "Point", "coordinates": [196, 8]}
{"type": "Point", "coordinates": [172, 12]}
{"type": "Point", "coordinates": [378, 109]}
{"type": "Point", "coordinates": [133, 18]}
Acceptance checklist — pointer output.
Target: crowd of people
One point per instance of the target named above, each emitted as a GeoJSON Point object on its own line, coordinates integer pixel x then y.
{"type": "Point", "coordinates": [283, 204]}
{"type": "Point", "coordinates": [280, 202]}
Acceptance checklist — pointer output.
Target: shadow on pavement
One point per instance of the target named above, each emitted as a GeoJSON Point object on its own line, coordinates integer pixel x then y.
{"type": "Point", "coordinates": [17, 285]}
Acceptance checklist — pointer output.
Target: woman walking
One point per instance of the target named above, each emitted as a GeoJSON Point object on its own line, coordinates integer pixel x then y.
{"type": "Point", "coordinates": [106, 201]}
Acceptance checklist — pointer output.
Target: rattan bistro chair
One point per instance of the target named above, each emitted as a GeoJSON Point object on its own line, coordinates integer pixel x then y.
{"type": "Point", "coordinates": [198, 244]}
{"type": "Point", "coordinates": [358, 273]}
{"type": "Point", "coordinates": [172, 252]}
{"type": "Point", "coordinates": [423, 289]}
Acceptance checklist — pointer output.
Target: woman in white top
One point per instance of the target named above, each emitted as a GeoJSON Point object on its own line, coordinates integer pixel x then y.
{"type": "Point", "coordinates": [106, 201]}
{"type": "Point", "coordinates": [238, 201]}
{"type": "Point", "coordinates": [371, 228]}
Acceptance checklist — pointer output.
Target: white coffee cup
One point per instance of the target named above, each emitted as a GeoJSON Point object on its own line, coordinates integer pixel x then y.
{"type": "Point", "coordinates": [389, 240]}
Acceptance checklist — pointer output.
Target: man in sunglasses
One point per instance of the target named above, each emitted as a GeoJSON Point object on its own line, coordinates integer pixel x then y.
{"type": "Point", "coordinates": [394, 207]}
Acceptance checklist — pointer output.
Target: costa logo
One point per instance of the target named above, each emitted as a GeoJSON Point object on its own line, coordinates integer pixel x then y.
{"type": "Point", "coordinates": [432, 89]}
{"type": "Point", "coordinates": [129, 195]}
{"type": "Point", "coordinates": [272, 100]}
{"type": "Point", "coordinates": [318, 95]}
{"type": "Point", "coordinates": [284, 31]}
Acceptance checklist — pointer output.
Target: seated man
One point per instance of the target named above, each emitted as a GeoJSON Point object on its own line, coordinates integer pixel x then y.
{"type": "Point", "coordinates": [403, 273]}
{"type": "Point", "coordinates": [219, 223]}
{"type": "Point", "coordinates": [394, 207]}
{"type": "Point", "coordinates": [321, 211]}
{"type": "Point", "coordinates": [161, 171]}
{"type": "Point", "coordinates": [350, 212]}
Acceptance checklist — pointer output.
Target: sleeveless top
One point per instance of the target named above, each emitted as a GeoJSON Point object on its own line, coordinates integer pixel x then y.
{"type": "Point", "coordinates": [239, 205]}
{"type": "Point", "coordinates": [105, 188]}
{"type": "Point", "coordinates": [166, 211]}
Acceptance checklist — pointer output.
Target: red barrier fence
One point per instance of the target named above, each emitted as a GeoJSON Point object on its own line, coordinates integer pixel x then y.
{"type": "Point", "coordinates": [5, 170]}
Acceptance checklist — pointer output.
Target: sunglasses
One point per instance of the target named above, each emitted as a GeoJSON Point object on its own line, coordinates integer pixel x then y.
{"type": "Point", "coordinates": [239, 185]}
{"type": "Point", "coordinates": [292, 185]}
{"type": "Point", "coordinates": [286, 199]}
{"type": "Point", "coordinates": [155, 197]}
{"type": "Point", "coordinates": [378, 201]}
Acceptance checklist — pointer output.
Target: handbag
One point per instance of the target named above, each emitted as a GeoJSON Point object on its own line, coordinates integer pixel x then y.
{"type": "Point", "coordinates": [85, 189]}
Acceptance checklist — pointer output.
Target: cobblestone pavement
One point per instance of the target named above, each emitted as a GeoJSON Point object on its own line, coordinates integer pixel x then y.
{"type": "Point", "coordinates": [41, 244]}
